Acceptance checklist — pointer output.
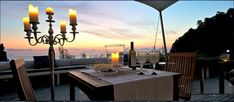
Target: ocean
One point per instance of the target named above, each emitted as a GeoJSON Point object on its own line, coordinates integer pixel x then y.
{"type": "Point", "coordinates": [28, 54]}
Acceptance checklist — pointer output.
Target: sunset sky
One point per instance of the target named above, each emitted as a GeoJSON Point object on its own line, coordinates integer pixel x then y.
{"type": "Point", "coordinates": [107, 22]}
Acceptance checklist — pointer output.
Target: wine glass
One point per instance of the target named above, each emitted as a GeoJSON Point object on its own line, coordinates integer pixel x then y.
{"type": "Point", "coordinates": [154, 58]}
{"type": "Point", "coordinates": [141, 57]}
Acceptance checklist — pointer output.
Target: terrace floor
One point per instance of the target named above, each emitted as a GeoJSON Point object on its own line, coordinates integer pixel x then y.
{"type": "Point", "coordinates": [62, 92]}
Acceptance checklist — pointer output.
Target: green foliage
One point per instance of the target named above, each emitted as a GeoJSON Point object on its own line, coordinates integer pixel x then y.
{"type": "Point", "coordinates": [211, 38]}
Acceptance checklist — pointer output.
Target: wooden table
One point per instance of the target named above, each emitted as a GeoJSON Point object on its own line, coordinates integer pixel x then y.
{"type": "Point", "coordinates": [99, 89]}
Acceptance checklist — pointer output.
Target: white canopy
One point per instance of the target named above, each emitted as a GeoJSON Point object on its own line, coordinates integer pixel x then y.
{"type": "Point", "coordinates": [159, 5]}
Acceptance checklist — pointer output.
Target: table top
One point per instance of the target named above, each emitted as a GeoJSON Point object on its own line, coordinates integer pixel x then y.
{"type": "Point", "coordinates": [123, 75]}
{"type": "Point", "coordinates": [126, 84]}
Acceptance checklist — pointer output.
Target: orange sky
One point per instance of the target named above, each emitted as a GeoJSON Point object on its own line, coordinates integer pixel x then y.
{"type": "Point", "coordinates": [98, 25]}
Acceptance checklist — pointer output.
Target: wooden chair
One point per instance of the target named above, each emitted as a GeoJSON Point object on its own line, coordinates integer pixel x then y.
{"type": "Point", "coordinates": [24, 87]}
{"type": "Point", "coordinates": [183, 63]}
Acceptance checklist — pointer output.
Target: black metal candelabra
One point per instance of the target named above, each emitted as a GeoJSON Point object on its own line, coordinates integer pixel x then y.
{"type": "Point", "coordinates": [51, 40]}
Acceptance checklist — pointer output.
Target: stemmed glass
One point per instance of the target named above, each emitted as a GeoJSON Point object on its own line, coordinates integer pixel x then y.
{"type": "Point", "coordinates": [154, 58]}
{"type": "Point", "coordinates": [141, 57]}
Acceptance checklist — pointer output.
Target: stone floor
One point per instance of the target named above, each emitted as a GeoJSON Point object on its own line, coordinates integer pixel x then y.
{"type": "Point", "coordinates": [211, 89]}
{"type": "Point", "coordinates": [62, 93]}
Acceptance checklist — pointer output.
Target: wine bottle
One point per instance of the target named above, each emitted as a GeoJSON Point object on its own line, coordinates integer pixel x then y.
{"type": "Point", "coordinates": [132, 57]}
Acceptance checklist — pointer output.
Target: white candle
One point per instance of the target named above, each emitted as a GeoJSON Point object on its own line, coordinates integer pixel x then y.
{"type": "Point", "coordinates": [26, 23]}
{"type": "Point", "coordinates": [33, 13]}
{"type": "Point", "coordinates": [63, 26]}
{"type": "Point", "coordinates": [49, 10]}
{"type": "Point", "coordinates": [72, 16]}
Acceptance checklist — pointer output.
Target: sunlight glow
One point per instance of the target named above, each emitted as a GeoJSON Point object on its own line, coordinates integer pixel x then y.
{"type": "Point", "coordinates": [105, 22]}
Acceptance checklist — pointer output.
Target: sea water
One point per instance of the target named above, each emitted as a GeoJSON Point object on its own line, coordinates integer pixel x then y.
{"type": "Point", "coordinates": [28, 54]}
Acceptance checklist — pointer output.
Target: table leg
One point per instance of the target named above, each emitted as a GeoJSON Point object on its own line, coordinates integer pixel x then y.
{"type": "Point", "coordinates": [202, 81]}
{"type": "Point", "coordinates": [176, 87]}
{"type": "Point", "coordinates": [207, 72]}
{"type": "Point", "coordinates": [221, 83]}
{"type": "Point", "coordinates": [72, 92]}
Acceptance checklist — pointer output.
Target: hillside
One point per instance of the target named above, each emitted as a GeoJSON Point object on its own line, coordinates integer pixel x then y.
{"type": "Point", "coordinates": [211, 38]}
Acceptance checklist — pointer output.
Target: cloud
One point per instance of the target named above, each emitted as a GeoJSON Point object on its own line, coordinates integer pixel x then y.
{"type": "Point", "coordinates": [140, 23]}
{"type": "Point", "coordinates": [105, 26]}
{"type": "Point", "coordinates": [119, 30]}
{"type": "Point", "coordinates": [98, 19]}
{"type": "Point", "coordinates": [86, 22]}
{"type": "Point", "coordinates": [110, 34]}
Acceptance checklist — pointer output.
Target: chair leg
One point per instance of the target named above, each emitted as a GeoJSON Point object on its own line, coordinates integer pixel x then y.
{"type": "Point", "coordinates": [57, 79]}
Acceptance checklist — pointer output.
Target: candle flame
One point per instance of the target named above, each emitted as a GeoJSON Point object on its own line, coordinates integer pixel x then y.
{"type": "Point", "coordinates": [63, 23]}
{"type": "Point", "coordinates": [115, 57]}
{"type": "Point", "coordinates": [26, 19]}
{"type": "Point", "coordinates": [33, 13]}
{"type": "Point", "coordinates": [72, 12]}
{"type": "Point", "coordinates": [63, 26]}
{"type": "Point", "coordinates": [49, 10]}
{"type": "Point", "coordinates": [32, 8]}
{"type": "Point", "coordinates": [26, 23]}
{"type": "Point", "coordinates": [72, 16]}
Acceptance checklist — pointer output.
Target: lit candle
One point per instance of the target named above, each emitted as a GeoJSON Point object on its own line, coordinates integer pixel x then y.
{"type": "Point", "coordinates": [63, 26]}
{"type": "Point", "coordinates": [115, 58]}
{"type": "Point", "coordinates": [49, 10]}
{"type": "Point", "coordinates": [33, 13]}
{"type": "Point", "coordinates": [72, 16]}
{"type": "Point", "coordinates": [26, 23]}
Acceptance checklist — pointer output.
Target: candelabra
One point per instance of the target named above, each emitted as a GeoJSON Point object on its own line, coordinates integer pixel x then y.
{"type": "Point", "coordinates": [49, 39]}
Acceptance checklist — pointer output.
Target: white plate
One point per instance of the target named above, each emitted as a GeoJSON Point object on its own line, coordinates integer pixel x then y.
{"type": "Point", "coordinates": [109, 73]}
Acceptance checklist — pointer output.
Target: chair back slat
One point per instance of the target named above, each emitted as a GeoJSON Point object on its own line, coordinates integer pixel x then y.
{"type": "Point", "coordinates": [183, 63]}
{"type": "Point", "coordinates": [24, 87]}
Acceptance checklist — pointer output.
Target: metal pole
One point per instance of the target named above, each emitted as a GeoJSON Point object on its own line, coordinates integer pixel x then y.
{"type": "Point", "coordinates": [51, 55]}
{"type": "Point", "coordinates": [51, 63]}
{"type": "Point", "coordinates": [163, 34]}
{"type": "Point", "coordinates": [0, 36]}
{"type": "Point", "coordinates": [155, 39]}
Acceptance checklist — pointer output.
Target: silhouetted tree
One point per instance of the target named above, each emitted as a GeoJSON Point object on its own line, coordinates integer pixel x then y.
{"type": "Point", "coordinates": [211, 37]}
{"type": "Point", "coordinates": [199, 23]}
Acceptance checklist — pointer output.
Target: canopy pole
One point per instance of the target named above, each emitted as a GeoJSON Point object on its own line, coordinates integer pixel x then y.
{"type": "Point", "coordinates": [156, 34]}
{"type": "Point", "coordinates": [163, 34]}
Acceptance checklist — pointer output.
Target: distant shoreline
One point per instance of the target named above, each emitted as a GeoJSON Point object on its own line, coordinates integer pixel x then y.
{"type": "Point", "coordinates": [28, 54]}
